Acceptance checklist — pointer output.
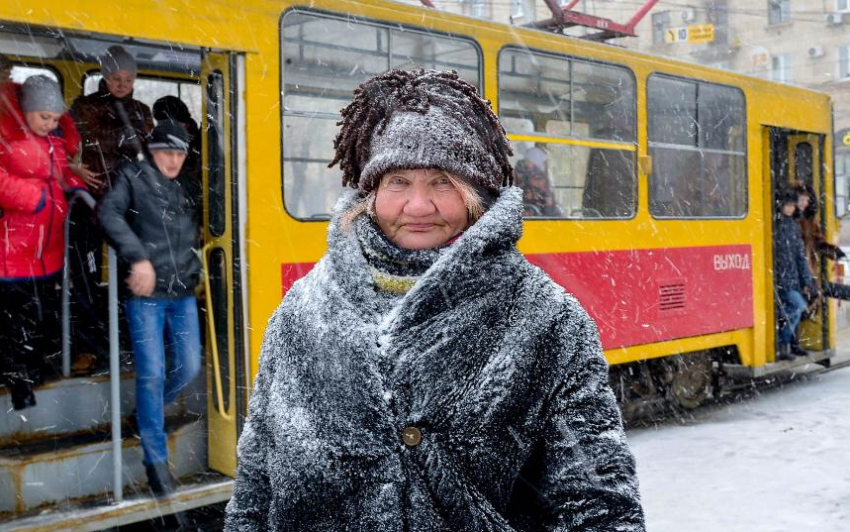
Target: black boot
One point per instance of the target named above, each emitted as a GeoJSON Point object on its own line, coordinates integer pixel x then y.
{"type": "Point", "coordinates": [160, 479]}
{"type": "Point", "coordinates": [784, 352]}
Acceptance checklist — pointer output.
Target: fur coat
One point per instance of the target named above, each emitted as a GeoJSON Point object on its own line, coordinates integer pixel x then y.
{"type": "Point", "coordinates": [498, 370]}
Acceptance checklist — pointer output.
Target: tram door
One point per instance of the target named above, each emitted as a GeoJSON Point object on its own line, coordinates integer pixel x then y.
{"type": "Point", "coordinates": [220, 258]}
{"type": "Point", "coordinates": [797, 156]}
{"type": "Point", "coordinates": [804, 164]}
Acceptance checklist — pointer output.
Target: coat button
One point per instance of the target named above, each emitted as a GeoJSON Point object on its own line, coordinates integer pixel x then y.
{"type": "Point", "coordinates": [411, 436]}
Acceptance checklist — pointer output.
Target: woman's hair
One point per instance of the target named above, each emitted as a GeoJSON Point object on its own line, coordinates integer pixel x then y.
{"type": "Point", "coordinates": [376, 100]}
{"type": "Point", "coordinates": [472, 200]}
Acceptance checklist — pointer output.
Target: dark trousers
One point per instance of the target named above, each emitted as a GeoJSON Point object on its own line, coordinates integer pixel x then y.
{"type": "Point", "coordinates": [88, 298]}
{"type": "Point", "coordinates": [30, 337]}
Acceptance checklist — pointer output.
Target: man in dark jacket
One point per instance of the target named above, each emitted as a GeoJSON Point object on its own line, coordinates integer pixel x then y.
{"type": "Point", "coordinates": [793, 278]}
{"type": "Point", "coordinates": [147, 217]}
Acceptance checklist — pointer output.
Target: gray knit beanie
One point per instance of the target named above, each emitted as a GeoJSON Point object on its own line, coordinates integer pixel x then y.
{"type": "Point", "coordinates": [117, 58]}
{"type": "Point", "coordinates": [404, 120]}
{"type": "Point", "coordinates": [40, 93]}
{"type": "Point", "coordinates": [432, 140]}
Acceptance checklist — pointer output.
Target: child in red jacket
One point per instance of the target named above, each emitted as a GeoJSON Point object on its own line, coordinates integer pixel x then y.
{"type": "Point", "coordinates": [34, 177]}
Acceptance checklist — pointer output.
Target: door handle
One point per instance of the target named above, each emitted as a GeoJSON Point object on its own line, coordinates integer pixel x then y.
{"type": "Point", "coordinates": [213, 338]}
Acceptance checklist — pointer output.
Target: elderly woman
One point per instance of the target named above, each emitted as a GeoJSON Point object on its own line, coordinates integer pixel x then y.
{"type": "Point", "coordinates": [424, 376]}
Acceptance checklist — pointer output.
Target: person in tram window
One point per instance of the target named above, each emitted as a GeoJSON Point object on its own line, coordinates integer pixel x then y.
{"type": "Point", "coordinates": [34, 178]}
{"type": "Point", "coordinates": [531, 175]}
{"type": "Point", "coordinates": [172, 108]}
{"type": "Point", "coordinates": [147, 218]}
{"type": "Point", "coordinates": [114, 127]}
{"type": "Point", "coordinates": [794, 280]}
{"type": "Point", "coordinates": [424, 376]}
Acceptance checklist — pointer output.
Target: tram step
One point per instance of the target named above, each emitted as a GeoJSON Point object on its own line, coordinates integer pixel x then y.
{"type": "Point", "coordinates": [739, 371]}
{"type": "Point", "coordinates": [80, 467]}
{"type": "Point", "coordinates": [63, 407]}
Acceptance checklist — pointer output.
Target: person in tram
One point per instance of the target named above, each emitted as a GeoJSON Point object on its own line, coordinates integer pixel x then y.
{"type": "Point", "coordinates": [108, 142]}
{"type": "Point", "coordinates": [816, 245]}
{"type": "Point", "coordinates": [424, 376]}
{"type": "Point", "coordinates": [172, 108]}
{"type": "Point", "coordinates": [10, 95]}
{"type": "Point", "coordinates": [147, 218]}
{"type": "Point", "coordinates": [794, 281]}
{"type": "Point", "coordinates": [531, 176]}
{"type": "Point", "coordinates": [34, 178]}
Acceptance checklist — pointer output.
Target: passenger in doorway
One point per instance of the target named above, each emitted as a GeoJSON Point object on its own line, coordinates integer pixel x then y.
{"type": "Point", "coordinates": [34, 178]}
{"type": "Point", "coordinates": [424, 375]}
{"type": "Point", "coordinates": [10, 95]}
{"type": "Point", "coordinates": [147, 217]}
{"type": "Point", "coordinates": [114, 127]}
{"type": "Point", "coordinates": [817, 247]}
{"type": "Point", "coordinates": [173, 108]}
{"type": "Point", "coordinates": [794, 280]}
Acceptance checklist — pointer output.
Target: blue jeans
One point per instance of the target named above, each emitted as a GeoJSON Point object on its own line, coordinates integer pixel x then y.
{"type": "Point", "coordinates": [158, 383]}
{"type": "Point", "coordinates": [793, 306]}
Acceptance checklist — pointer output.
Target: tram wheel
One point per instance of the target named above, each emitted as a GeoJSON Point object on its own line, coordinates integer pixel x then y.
{"type": "Point", "coordinates": [690, 380]}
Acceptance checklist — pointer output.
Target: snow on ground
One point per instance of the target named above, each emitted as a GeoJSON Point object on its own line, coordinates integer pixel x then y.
{"type": "Point", "coordinates": [776, 462]}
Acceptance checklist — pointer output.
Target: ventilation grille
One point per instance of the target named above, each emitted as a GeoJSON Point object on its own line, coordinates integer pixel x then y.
{"type": "Point", "coordinates": [671, 297]}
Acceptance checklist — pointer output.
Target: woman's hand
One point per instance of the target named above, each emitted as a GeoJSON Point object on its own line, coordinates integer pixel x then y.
{"type": "Point", "coordinates": [89, 178]}
{"type": "Point", "coordinates": [142, 278]}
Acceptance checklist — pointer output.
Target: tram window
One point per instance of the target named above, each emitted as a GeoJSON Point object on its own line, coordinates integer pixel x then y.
{"type": "Point", "coordinates": [20, 73]}
{"type": "Point", "coordinates": [215, 148]}
{"type": "Point", "coordinates": [575, 182]}
{"type": "Point", "coordinates": [148, 90]}
{"type": "Point", "coordinates": [564, 97]}
{"type": "Point", "coordinates": [318, 77]}
{"type": "Point", "coordinates": [696, 141]}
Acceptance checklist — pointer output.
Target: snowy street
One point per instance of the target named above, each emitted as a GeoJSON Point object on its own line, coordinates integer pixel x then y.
{"type": "Point", "coordinates": [778, 461]}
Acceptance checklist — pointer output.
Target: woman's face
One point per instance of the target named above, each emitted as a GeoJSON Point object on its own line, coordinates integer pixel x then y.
{"type": "Point", "coordinates": [803, 202]}
{"type": "Point", "coordinates": [120, 83]}
{"type": "Point", "coordinates": [42, 122]}
{"type": "Point", "coordinates": [419, 209]}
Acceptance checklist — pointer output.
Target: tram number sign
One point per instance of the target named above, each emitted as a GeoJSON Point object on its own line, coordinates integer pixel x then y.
{"type": "Point", "coordinates": [693, 34]}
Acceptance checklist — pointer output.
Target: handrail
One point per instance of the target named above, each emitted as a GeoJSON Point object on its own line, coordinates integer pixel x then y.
{"type": "Point", "coordinates": [85, 197]}
{"type": "Point", "coordinates": [114, 360]}
{"type": "Point", "coordinates": [213, 339]}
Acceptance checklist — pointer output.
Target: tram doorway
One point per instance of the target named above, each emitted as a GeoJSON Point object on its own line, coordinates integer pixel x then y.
{"type": "Point", "coordinates": [57, 453]}
{"type": "Point", "coordinates": [797, 156]}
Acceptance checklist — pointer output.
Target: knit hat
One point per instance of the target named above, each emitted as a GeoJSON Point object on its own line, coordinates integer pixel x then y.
{"type": "Point", "coordinates": [117, 58]}
{"type": "Point", "coordinates": [171, 108]}
{"type": "Point", "coordinates": [421, 119]}
{"type": "Point", "coordinates": [169, 135]}
{"type": "Point", "coordinates": [787, 195]}
{"type": "Point", "coordinates": [40, 93]}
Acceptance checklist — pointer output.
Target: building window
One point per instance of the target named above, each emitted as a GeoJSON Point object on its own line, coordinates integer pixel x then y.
{"type": "Point", "coordinates": [781, 68]}
{"type": "Point", "coordinates": [479, 8]}
{"type": "Point", "coordinates": [842, 6]}
{"type": "Point", "coordinates": [660, 22]}
{"type": "Point", "coordinates": [843, 62]}
{"type": "Point", "coordinates": [778, 11]}
{"type": "Point", "coordinates": [516, 9]}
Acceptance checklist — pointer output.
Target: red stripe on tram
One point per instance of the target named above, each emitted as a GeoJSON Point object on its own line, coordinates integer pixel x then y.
{"type": "Point", "coordinates": [643, 296]}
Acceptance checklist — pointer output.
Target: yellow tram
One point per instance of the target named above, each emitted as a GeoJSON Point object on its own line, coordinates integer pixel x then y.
{"type": "Point", "coordinates": [655, 210]}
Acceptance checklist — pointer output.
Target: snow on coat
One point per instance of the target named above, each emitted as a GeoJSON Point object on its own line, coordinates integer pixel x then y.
{"type": "Point", "coordinates": [498, 368]}
{"type": "Point", "coordinates": [34, 176]}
